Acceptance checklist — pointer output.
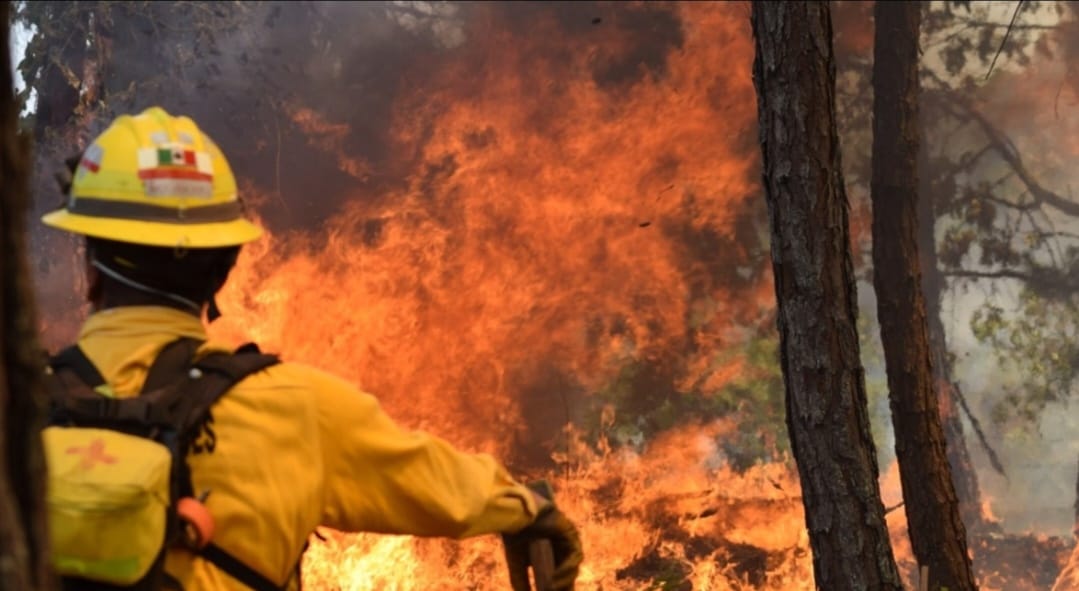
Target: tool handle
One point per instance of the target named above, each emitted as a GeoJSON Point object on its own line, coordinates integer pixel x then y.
{"type": "Point", "coordinates": [540, 552]}
{"type": "Point", "coordinates": [541, 556]}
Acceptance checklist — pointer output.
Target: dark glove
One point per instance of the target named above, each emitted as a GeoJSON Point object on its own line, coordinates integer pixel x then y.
{"type": "Point", "coordinates": [553, 526]}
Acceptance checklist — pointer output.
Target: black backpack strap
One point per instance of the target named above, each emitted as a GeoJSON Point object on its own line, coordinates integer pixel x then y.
{"type": "Point", "coordinates": [75, 377]}
{"type": "Point", "coordinates": [249, 348]}
{"type": "Point", "coordinates": [73, 358]}
{"type": "Point", "coordinates": [171, 364]}
{"type": "Point", "coordinates": [236, 569]}
{"type": "Point", "coordinates": [71, 384]}
{"type": "Point", "coordinates": [220, 372]}
{"type": "Point", "coordinates": [173, 360]}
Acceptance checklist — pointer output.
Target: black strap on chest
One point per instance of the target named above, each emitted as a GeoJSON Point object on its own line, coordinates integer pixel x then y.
{"type": "Point", "coordinates": [236, 569]}
{"type": "Point", "coordinates": [74, 359]}
{"type": "Point", "coordinates": [205, 382]}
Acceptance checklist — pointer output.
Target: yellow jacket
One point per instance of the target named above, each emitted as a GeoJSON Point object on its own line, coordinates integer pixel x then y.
{"type": "Point", "coordinates": [292, 448]}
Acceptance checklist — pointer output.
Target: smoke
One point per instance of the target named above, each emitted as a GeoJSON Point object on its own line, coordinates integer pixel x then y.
{"type": "Point", "coordinates": [1033, 105]}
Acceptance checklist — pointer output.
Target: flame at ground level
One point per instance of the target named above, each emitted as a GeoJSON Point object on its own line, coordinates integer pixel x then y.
{"type": "Point", "coordinates": [670, 519]}
{"type": "Point", "coordinates": [673, 516]}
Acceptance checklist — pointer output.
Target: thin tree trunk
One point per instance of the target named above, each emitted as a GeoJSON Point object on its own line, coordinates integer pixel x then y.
{"type": "Point", "coordinates": [937, 535]}
{"type": "Point", "coordinates": [23, 533]}
{"type": "Point", "coordinates": [827, 417]}
{"type": "Point", "coordinates": [963, 474]}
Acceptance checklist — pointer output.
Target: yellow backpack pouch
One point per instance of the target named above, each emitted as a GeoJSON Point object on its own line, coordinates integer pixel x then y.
{"type": "Point", "coordinates": [117, 467]}
{"type": "Point", "coordinates": [108, 502]}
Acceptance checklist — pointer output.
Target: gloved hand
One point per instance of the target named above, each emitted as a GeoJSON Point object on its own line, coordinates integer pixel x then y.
{"type": "Point", "coordinates": [551, 525]}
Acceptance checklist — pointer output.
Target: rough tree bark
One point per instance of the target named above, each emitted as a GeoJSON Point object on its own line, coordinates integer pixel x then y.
{"type": "Point", "coordinates": [23, 534]}
{"type": "Point", "coordinates": [827, 417]}
{"type": "Point", "coordinates": [58, 91]}
{"type": "Point", "coordinates": [937, 535]}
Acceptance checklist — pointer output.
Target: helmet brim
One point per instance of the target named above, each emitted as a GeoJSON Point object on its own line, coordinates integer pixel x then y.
{"type": "Point", "coordinates": [201, 235]}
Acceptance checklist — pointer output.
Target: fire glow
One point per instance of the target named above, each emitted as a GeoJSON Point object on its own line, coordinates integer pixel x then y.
{"type": "Point", "coordinates": [548, 228]}
{"type": "Point", "coordinates": [563, 211]}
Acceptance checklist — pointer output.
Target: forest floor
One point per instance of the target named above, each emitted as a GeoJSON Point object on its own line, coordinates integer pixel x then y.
{"type": "Point", "coordinates": [1002, 561]}
{"type": "Point", "coordinates": [1011, 562]}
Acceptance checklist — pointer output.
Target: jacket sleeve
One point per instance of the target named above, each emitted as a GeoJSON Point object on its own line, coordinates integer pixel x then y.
{"type": "Point", "coordinates": [381, 478]}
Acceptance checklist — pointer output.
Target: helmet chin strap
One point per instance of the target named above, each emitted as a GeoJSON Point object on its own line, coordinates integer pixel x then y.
{"type": "Point", "coordinates": [116, 276]}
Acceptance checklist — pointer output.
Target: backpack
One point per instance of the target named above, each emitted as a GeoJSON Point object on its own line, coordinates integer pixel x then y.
{"type": "Point", "coordinates": [119, 488]}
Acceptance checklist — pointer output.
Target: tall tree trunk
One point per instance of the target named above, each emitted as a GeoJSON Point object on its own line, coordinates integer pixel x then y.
{"type": "Point", "coordinates": [827, 417]}
{"type": "Point", "coordinates": [937, 535]}
{"type": "Point", "coordinates": [23, 533]}
{"type": "Point", "coordinates": [963, 474]}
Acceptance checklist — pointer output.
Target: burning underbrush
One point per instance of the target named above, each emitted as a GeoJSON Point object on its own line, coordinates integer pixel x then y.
{"type": "Point", "coordinates": [1002, 561]}
{"type": "Point", "coordinates": [674, 517]}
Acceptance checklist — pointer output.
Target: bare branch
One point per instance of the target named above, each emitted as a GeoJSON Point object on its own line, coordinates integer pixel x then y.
{"type": "Point", "coordinates": [1008, 152]}
{"type": "Point", "coordinates": [972, 22]}
{"type": "Point", "coordinates": [997, 274]}
{"type": "Point", "coordinates": [1022, 207]}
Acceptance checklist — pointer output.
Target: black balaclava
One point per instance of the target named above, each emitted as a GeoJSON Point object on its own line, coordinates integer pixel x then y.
{"type": "Point", "coordinates": [189, 277]}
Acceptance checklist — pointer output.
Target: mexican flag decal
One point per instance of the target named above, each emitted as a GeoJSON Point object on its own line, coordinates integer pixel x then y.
{"type": "Point", "coordinates": [175, 171]}
{"type": "Point", "coordinates": [167, 157]}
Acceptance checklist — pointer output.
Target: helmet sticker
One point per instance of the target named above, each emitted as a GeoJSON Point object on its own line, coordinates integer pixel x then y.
{"type": "Point", "coordinates": [176, 187]}
{"type": "Point", "coordinates": [175, 171]}
{"type": "Point", "coordinates": [91, 159]}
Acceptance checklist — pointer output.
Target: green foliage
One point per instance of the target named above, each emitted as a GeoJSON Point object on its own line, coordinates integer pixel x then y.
{"type": "Point", "coordinates": [999, 223]}
{"type": "Point", "coordinates": [642, 401]}
{"type": "Point", "coordinates": [1038, 339]}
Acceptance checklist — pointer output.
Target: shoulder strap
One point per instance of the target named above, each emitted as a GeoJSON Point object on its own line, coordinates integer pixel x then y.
{"type": "Point", "coordinates": [220, 372]}
{"type": "Point", "coordinates": [75, 379]}
{"type": "Point", "coordinates": [72, 387]}
{"type": "Point", "coordinates": [236, 569]}
{"type": "Point", "coordinates": [216, 374]}
{"type": "Point", "coordinates": [75, 359]}
{"type": "Point", "coordinates": [171, 363]}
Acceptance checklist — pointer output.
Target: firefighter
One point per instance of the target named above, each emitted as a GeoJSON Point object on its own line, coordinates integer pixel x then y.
{"type": "Point", "coordinates": [289, 448]}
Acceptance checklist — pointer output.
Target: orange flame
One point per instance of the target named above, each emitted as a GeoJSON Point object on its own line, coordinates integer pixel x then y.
{"type": "Point", "coordinates": [555, 223]}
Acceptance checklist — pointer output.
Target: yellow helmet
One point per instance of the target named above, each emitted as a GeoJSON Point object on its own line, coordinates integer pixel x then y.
{"type": "Point", "coordinates": [156, 180]}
